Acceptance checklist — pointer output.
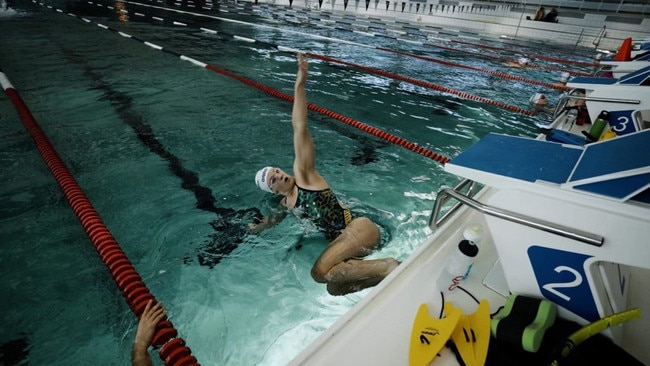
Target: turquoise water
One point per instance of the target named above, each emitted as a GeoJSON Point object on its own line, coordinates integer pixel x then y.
{"type": "Point", "coordinates": [135, 125]}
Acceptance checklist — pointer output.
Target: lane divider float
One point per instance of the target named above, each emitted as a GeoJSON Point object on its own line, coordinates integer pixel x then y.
{"type": "Point", "coordinates": [543, 57]}
{"type": "Point", "coordinates": [431, 86]}
{"type": "Point", "coordinates": [174, 352]}
{"type": "Point", "coordinates": [539, 46]}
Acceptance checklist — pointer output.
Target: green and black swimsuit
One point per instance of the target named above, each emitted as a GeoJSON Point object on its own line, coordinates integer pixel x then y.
{"type": "Point", "coordinates": [324, 210]}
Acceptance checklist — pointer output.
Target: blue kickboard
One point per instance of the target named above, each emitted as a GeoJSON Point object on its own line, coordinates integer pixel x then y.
{"type": "Point", "coordinates": [565, 137]}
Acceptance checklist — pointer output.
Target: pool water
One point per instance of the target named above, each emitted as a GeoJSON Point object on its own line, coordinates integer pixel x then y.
{"type": "Point", "coordinates": [166, 152]}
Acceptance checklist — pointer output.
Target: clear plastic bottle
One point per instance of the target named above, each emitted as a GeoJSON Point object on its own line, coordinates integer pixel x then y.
{"type": "Point", "coordinates": [461, 261]}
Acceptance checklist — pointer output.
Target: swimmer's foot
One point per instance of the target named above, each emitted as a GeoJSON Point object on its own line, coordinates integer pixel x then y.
{"type": "Point", "coordinates": [391, 265]}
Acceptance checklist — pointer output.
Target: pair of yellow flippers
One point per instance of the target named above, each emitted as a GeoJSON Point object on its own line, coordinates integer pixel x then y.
{"type": "Point", "coordinates": [470, 334]}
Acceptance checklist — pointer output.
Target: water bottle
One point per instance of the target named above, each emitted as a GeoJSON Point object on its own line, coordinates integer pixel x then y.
{"type": "Point", "coordinates": [462, 259]}
{"type": "Point", "coordinates": [597, 127]}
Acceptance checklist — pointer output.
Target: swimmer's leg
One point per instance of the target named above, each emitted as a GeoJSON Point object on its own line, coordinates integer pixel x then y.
{"type": "Point", "coordinates": [356, 274]}
{"type": "Point", "coordinates": [358, 240]}
{"type": "Point", "coordinates": [339, 265]}
{"type": "Point", "coordinates": [344, 288]}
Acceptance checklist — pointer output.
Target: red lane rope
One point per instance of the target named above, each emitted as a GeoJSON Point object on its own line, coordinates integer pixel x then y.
{"type": "Point", "coordinates": [366, 128]}
{"type": "Point", "coordinates": [347, 120]}
{"type": "Point", "coordinates": [495, 73]}
{"type": "Point", "coordinates": [429, 85]}
{"type": "Point", "coordinates": [543, 57]}
{"type": "Point", "coordinates": [555, 50]}
{"type": "Point", "coordinates": [501, 58]}
{"type": "Point", "coordinates": [135, 292]}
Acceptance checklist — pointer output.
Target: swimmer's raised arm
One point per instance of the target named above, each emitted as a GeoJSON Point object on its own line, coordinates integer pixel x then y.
{"type": "Point", "coordinates": [304, 167]}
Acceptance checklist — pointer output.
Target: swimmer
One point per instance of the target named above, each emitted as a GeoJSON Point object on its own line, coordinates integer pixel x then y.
{"type": "Point", "coordinates": [521, 63]}
{"type": "Point", "coordinates": [564, 78]}
{"type": "Point", "coordinates": [540, 103]}
{"type": "Point", "coordinates": [307, 194]}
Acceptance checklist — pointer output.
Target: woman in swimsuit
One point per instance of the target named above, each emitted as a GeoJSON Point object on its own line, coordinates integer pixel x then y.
{"type": "Point", "coordinates": [308, 195]}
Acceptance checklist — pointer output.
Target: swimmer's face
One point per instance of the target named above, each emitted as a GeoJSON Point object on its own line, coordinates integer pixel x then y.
{"type": "Point", "coordinates": [279, 180]}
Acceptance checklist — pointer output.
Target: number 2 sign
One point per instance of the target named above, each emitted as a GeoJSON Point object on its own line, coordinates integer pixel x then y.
{"type": "Point", "coordinates": [562, 279]}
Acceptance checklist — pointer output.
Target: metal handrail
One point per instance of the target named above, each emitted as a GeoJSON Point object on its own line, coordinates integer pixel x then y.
{"type": "Point", "coordinates": [549, 227]}
{"type": "Point", "coordinates": [582, 31]}
{"type": "Point", "coordinates": [607, 100]}
{"type": "Point", "coordinates": [563, 101]}
{"type": "Point", "coordinates": [434, 221]}
{"type": "Point", "coordinates": [610, 100]}
{"type": "Point", "coordinates": [600, 36]}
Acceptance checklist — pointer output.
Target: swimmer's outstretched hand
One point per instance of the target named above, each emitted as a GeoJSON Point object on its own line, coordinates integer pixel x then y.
{"type": "Point", "coordinates": [152, 314]}
{"type": "Point", "coordinates": [255, 228]}
{"type": "Point", "coordinates": [303, 67]}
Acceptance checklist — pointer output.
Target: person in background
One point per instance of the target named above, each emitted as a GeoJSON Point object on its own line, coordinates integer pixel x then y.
{"type": "Point", "coordinates": [539, 15]}
{"type": "Point", "coordinates": [540, 103]}
{"type": "Point", "coordinates": [564, 79]}
{"type": "Point", "coordinates": [150, 317]}
{"type": "Point", "coordinates": [581, 105]}
{"type": "Point", "coordinates": [308, 195]}
{"type": "Point", "coordinates": [551, 17]}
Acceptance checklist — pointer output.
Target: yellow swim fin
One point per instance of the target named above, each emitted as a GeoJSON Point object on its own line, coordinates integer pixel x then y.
{"type": "Point", "coordinates": [472, 334]}
{"type": "Point", "coordinates": [430, 334]}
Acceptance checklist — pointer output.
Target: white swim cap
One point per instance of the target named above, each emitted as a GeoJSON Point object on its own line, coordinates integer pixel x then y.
{"type": "Point", "coordinates": [565, 77]}
{"type": "Point", "coordinates": [523, 61]}
{"type": "Point", "coordinates": [261, 179]}
{"type": "Point", "coordinates": [539, 99]}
